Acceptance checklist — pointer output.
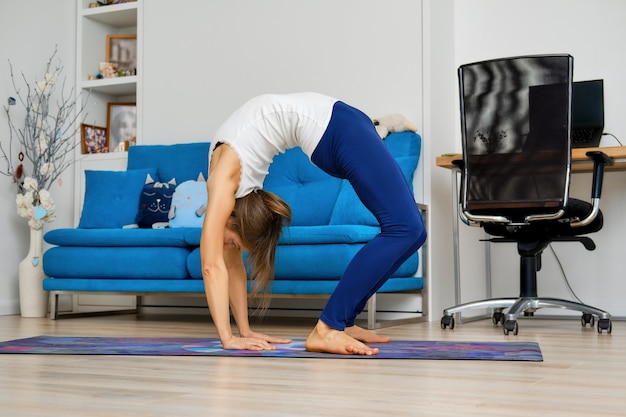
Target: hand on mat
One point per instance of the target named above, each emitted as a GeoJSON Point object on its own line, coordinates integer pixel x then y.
{"type": "Point", "coordinates": [246, 343]}
{"type": "Point", "coordinates": [267, 338]}
{"type": "Point", "coordinates": [253, 341]}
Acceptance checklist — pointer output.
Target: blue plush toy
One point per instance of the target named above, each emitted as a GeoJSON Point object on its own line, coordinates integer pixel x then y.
{"type": "Point", "coordinates": [155, 203]}
{"type": "Point", "coordinates": [189, 204]}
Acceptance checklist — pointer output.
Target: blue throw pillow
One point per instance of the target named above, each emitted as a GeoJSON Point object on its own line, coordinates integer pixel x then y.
{"type": "Point", "coordinates": [112, 197]}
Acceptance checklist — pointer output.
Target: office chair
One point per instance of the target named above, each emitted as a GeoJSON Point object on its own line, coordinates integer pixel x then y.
{"type": "Point", "coordinates": [515, 174]}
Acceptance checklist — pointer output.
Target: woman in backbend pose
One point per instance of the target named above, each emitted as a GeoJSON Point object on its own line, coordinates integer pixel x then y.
{"type": "Point", "coordinates": [240, 216]}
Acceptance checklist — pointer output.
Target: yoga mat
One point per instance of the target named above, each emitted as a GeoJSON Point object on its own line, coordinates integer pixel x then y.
{"type": "Point", "coordinates": [161, 346]}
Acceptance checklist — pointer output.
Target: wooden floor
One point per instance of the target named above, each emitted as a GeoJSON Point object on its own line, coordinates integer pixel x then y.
{"type": "Point", "coordinates": [583, 374]}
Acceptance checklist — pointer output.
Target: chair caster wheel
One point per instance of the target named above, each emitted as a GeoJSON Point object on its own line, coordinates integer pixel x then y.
{"type": "Point", "coordinates": [498, 317]}
{"type": "Point", "coordinates": [586, 319]}
{"type": "Point", "coordinates": [447, 321]}
{"type": "Point", "coordinates": [510, 326]}
{"type": "Point", "coordinates": [605, 324]}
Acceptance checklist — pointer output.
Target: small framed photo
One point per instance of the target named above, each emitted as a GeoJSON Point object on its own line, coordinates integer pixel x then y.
{"type": "Point", "coordinates": [122, 50]}
{"type": "Point", "coordinates": [121, 126]}
{"type": "Point", "coordinates": [93, 139]}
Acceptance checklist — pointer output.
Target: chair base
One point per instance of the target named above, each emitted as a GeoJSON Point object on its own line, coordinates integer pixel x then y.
{"type": "Point", "coordinates": [527, 306]}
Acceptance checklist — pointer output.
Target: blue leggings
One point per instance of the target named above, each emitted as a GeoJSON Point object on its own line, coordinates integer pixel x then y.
{"type": "Point", "coordinates": [351, 149]}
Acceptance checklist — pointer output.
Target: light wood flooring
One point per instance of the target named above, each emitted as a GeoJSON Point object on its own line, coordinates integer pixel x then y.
{"type": "Point", "coordinates": [583, 374]}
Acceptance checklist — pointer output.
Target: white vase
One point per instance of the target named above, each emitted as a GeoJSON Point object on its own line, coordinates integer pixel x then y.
{"type": "Point", "coordinates": [33, 299]}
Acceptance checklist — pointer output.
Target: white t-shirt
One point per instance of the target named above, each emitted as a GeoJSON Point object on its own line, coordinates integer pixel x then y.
{"type": "Point", "coordinates": [270, 124]}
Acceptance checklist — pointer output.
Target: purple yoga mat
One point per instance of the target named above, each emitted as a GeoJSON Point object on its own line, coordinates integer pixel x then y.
{"type": "Point", "coordinates": [163, 346]}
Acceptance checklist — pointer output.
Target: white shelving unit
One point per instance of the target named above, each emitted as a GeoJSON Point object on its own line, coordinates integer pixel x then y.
{"type": "Point", "coordinates": [92, 27]}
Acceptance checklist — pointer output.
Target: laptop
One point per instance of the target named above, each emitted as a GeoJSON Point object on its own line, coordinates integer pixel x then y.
{"type": "Point", "coordinates": [547, 117]}
{"type": "Point", "coordinates": [587, 113]}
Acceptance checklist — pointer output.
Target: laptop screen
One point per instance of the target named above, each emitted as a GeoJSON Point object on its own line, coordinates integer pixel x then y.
{"type": "Point", "coordinates": [588, 105]}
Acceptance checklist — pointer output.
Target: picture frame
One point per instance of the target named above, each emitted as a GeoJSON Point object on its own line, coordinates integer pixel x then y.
{"type": "Point", "coordinates": [122, 50]}
{"type": "Point", "coordinates": [93, 139]}
{"type": "Point", "coordinates": [110, 2]}
{"type": "Point", "coordinates": [121, 126]}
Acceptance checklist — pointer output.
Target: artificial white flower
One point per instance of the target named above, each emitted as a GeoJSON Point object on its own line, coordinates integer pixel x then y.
{"type": "Point", "coordinates": [24, 201]}
{"type": "Point", "coordinates": [47, 168]}
{"type": "Point", "coordinates": [45, 199]}
{"type": "Point", "coordinates": [51, 78]}
{"type": "Point", "coordinates": [43, 142]}
{"type": "Point", "coordinates": [30, 184]}
{"type": "Point", "coordinates": [27, 204]}
{"type": "Point", "coordinates": [24, 204]}
{"type": "Point", "coordinates": [25, 212]}
{"type": "Point", "coordinates": [44, 87]}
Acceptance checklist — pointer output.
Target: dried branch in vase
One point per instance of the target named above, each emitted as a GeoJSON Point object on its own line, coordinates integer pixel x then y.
{"type": "Point", "coordinates": [38, 152]}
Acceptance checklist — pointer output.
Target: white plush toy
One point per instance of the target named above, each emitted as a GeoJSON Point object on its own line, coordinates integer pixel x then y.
{"type": "Point", "coordinates": [393, 123]}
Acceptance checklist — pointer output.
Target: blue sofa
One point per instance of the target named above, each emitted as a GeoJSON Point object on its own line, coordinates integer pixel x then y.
{"type": "Point", "coordinates": [329, 226]}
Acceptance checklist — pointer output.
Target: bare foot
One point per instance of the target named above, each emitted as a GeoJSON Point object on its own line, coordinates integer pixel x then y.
{"type": "Point", "coordinates": [365, 335]}
{"type": "Point", "coordinates": [326, 339]}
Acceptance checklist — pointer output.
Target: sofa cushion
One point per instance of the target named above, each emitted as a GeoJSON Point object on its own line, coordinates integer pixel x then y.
{"type": "Point", "coordinates": [131, 286]}
{"type": "Point", "coordinates": [112, 197]}
{"type": "Point", "coordinates": [320, 262]}
{"type": "Point", "coordinates": [284, 286]}
{"type": "Point", "coordinates": [126, 263]}
{"type": "Point", "coordinates": [182, 161]}
{"type": "Point", "coordinates": [316, 235]}
{"type": "Point", "coordinates": [117, 237]}
{"type": "Point", "coordinates": [310, 235]}
{"type": "Point", "coordinates": [311, 262]}
{"type": "Point", "coordinates": [309, 191]}
{"type": "Point", "coordinates": [197, 286]}
{"type": "Point", "coordinates": [402, 144]}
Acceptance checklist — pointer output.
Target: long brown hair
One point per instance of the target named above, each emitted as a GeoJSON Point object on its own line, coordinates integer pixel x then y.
{"type": "Point", "coordinates": [259, 218]}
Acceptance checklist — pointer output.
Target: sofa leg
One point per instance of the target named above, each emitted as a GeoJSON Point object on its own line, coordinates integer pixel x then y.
{"type": "Point", "coordinates": [54, 305]}
{"type": "Point", "coordinates": [371, 312]}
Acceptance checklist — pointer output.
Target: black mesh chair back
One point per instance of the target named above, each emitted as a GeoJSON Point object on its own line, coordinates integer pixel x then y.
{"type": "Point", "coordinates": [515, 125]}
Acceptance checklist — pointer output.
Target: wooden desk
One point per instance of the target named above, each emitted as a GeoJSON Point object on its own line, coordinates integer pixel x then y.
{"type": "Point", "coordinates": [580, 162]}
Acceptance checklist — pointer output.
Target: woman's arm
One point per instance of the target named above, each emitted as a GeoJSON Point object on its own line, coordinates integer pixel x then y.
{"type": "Point", "coordinates": [237, 286]}
{"type": "Point", "coordinates": [239, 297]}
{"type": "Point", "coordinates": [222, 289]}
{"type": "Point", "coordinates": [221, 185]}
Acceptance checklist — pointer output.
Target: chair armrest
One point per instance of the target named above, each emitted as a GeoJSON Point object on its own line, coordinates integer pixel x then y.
{"type": "Point", "coordinates": [600, 160]}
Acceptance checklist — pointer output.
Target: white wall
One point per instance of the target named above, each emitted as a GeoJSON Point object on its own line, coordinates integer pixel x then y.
{"type": "Point", "coordinates": [440, 126]}
{"type": "Point", "coordinates": [207, 58]}
{"type": "Point", "coordinates": [29, 31]}
{"type": "Point", "coordinates": [592, 32]}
